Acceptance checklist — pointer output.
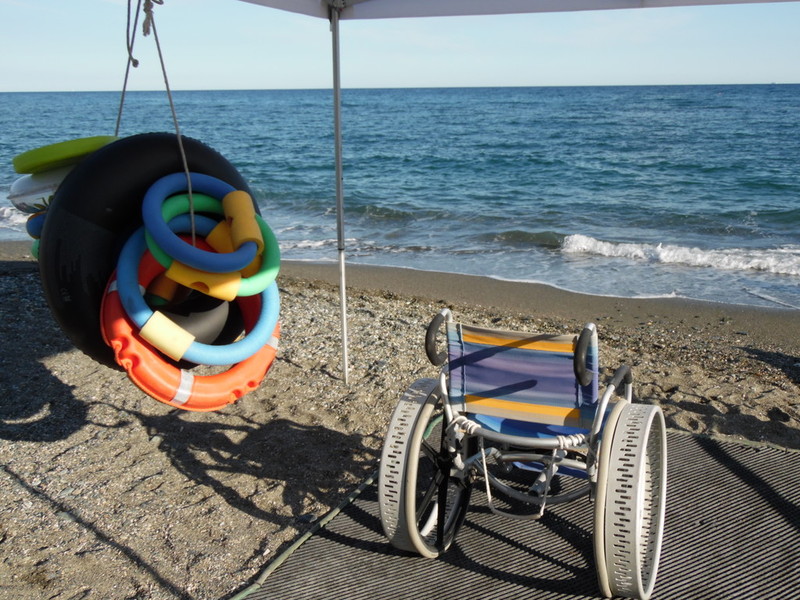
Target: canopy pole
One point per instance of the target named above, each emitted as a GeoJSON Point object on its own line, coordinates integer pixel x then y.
{"type": "Point", "coordinates": [337, 134]}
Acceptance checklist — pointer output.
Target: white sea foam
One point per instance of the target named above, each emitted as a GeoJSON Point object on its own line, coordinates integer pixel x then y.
{"type": "Point", "coordinates": [306, 244]}
{"type": "Point", "coordinates": [782, 261]}
{"type": "Point", "coordinates": [11, 218]}
{"type": "Point", "coordinates": [770, 298]}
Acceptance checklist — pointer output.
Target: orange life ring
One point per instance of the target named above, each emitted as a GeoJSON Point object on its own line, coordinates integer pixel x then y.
{"type": "Point", "coordinates": [163, 380]}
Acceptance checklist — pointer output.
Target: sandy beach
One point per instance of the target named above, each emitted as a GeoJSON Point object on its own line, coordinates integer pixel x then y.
{"type": "Point", "coordinates": [110, 494]}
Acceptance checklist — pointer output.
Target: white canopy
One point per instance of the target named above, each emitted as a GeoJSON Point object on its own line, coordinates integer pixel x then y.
{"type": "Point", "coordinates": [386, 9]}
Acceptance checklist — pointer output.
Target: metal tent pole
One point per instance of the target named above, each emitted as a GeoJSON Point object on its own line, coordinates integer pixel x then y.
{"type": "Point", "coordinates": [337, 134]}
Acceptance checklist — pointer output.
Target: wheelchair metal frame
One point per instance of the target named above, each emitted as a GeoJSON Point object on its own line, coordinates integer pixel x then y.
{"type": "Point", "coordinates": [626, 555]}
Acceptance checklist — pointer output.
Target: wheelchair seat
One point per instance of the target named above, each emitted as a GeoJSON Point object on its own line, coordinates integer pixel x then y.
{"type": "Point", "coordinates": [523, 384]}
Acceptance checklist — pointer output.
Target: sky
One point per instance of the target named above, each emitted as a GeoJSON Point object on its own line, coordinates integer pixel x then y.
{"type": "Point", "coordinates": [79, 45]}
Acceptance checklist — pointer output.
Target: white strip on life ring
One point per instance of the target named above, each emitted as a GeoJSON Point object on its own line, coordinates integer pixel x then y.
{"type": "Point", "coordinates": [184, 391]}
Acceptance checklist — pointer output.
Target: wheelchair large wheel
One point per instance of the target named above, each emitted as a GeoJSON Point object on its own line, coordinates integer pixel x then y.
{"type": "Point", "coordinates": [421, 505]}
{"type": "Point", "coordinates": [630, 502]}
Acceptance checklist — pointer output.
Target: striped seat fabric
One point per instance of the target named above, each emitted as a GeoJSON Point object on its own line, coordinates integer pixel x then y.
{"type": "Point", "coordinates": [508, 378]}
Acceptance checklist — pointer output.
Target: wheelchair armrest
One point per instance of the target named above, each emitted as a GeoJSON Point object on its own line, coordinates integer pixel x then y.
{"type": "Point", "coordinates": [622, 374]}
{"type": "Point", "coordinates": [437, 358]}
{"type": "Point", "coordinates": [582, 374]}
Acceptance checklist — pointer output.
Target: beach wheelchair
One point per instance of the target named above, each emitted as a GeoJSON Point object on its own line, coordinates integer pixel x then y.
{"type": "Point", "coordinates": [522, 413]}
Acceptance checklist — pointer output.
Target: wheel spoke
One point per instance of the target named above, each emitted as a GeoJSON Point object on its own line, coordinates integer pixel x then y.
{"type": "Point", "coordinates": [430, 494]}
{"type": "Point", "coordinates": [429, 451]}
{"type": "Point", "coordinates": [422, 504]}
{"type": "Point", "coordinates": [442, 516]}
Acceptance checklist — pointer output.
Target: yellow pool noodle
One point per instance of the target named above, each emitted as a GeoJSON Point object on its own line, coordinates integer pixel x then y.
{"type": "Point", "coordinates": [224, 286]}
{"type": "Point", "coordinates": [253, 268]}
{"type": "Point", "coordinates": [240, 213]}
{"type": "Point", "coordinates": [163, 287]}
{"type": "Point", "coordinates": [166, 335]}
{"type": "Point", "coordinates": [219, 238]}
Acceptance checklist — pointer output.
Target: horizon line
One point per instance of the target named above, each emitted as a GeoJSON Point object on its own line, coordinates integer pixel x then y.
{"type": "Point", "coordinates": [405, 87]}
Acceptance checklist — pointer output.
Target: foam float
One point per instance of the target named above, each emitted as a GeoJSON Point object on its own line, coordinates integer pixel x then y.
{"type": "Point", "coordinates": [126, 282]}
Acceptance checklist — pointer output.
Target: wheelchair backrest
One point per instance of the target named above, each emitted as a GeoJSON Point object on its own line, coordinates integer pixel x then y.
{"type": "Point", "coordinates": [522, 376]}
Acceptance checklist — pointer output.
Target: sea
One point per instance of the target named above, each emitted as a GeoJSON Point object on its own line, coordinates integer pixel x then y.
{"type": "Point", "coordinates": [644, 191]}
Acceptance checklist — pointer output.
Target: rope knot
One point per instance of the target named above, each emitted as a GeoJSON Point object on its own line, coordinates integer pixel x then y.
{"type": "Point", "coordinates": [148, 15]}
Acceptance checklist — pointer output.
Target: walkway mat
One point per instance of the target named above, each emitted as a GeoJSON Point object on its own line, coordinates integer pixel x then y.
{"type": "Point", "coordinates": [732, 531]}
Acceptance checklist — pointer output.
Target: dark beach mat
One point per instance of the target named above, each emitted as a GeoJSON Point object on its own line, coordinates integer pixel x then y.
{"type": "Point", "coordinates": [732, 531]}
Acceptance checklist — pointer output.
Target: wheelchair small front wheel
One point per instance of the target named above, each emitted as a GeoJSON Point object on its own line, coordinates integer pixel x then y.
{"type": "Point", "coordinates": [422, 505]}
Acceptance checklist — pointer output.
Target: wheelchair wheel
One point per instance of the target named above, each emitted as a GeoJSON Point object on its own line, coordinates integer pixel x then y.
{"type": "Point", "coordinates": [630, 502]}
{"type": "Point", "coordinates": [421, 505]}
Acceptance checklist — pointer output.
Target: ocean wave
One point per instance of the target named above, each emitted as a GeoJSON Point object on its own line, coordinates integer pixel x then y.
{"type": "Point", "coordinates": [780, 217]}
{"type": "Point", "coordinates": [516, 237]}
{"type": "Point", "coordinates": [11, 218]}
{"type": "Point", "coordinates": [781, 261]}
{"type": "Point", "coordinates": [307, 244]}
